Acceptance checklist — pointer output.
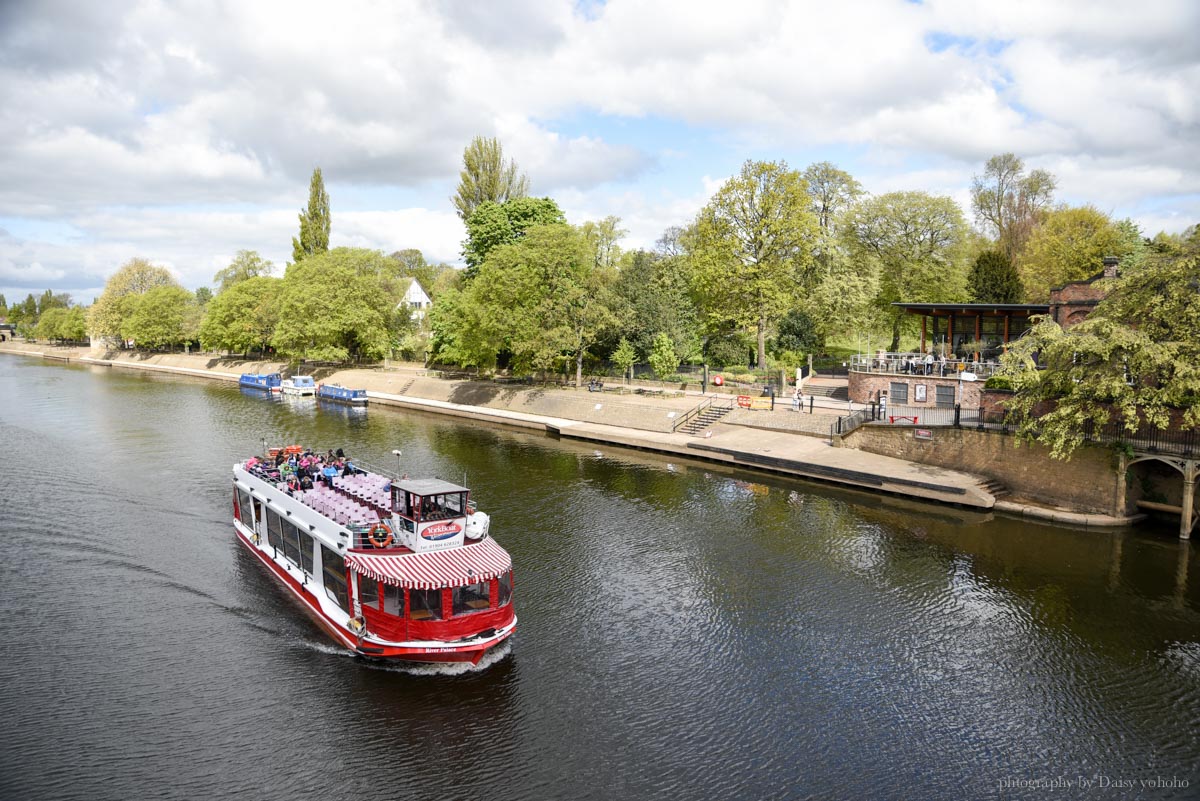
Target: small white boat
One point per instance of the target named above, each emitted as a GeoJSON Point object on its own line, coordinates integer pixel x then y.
{"type": "Point", "coordinates": [299, 385]}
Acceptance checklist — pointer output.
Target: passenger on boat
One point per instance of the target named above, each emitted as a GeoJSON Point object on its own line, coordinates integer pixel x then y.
{"type": "Point", "coordinates": [328, 473]}
{"type": "Point", "coordinates": [306, 482]}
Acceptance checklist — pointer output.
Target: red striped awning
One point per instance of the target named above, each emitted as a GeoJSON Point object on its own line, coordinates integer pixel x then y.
{"type": "Point", "coordinates": [454, 567]}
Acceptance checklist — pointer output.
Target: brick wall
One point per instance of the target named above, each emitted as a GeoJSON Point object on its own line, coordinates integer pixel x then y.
{"type": "Point", "coordinates": [1089, 482]}
{"type": "Point", "coordinates": [865, 387]}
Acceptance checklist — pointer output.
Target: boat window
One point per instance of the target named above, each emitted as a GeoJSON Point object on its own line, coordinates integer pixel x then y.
{"type": "Point", "coordinates": [274, 530]}
{"type": "Point", "coordinates": [306, 552]}
{"type": "Point", "coordinates": [400, 503]}
{"type": "Point", "coordinates": [454, 504]}
{"type": "Point", "coordinates": [425, 604]}
{"type": "Point", "coordinates": [368, 592]}
{"type": "Point", "coordinates": [334, 576]}
{"type": "Point", "coordinates": [504, 588]}
{"type": "Point", "coordinates": [393, 600]}
{"type": "Point", "coordinates": [246, 508]}
{"type": "Point", "coordinates": [291, 543]}
{"type": "Point", "coordinates": [471, 598]}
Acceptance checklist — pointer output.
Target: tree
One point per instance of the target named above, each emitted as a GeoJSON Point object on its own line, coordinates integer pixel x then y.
{"type": "Point", "coordinates": [624, 357]}
{"type": "Point", "coordinates": [1131, 362]}
{"type": "Point", "coordinates": [314, 222]}
{"type": "Point", "coordinates": [203, 295]}
{"type": "Point", "coordinates": [493, 224]}
{"type": "Point", "coordinates": [654, 294]}
{"type": "Point", "coordinates": [663, 360]}
{"type": "Point", "coordinates": [798, 333]}
{"type": "Point", "coordinates": [994, 279]}
{"type": "Point", "coordinates": [74, 325]}
{"type": "Point", "coordinates": [51, 323]}
{"type": "Point", "coordinates": [832, 191]}
{"type": "Point", "coordinates": [413, 265]}
{"type": "Point", "coordinates": [671, 242]}
{"type": "Point", "coordinates": [246, 264]}
{"type": "Point", "coordinates": [486, 177]}
{"type": "Point", "coordinates": [603, 236]}
{"type": "Point", "coordinates": [1009, 203]}
{"type": "Point", "coordinates": [915, 241]}
{"type": "Point", "coordinates": [50, 300]}
{"type": "Point", "coordinates": [1070, 245]}
{"type": "Point", "coordinates": [136, 277]}
{"type": "Point", "coordinates": [243, 318]}
{"type": "Point", "coordinates": [157, 317]}
{"type": "Point", "coordinates": [541, 299]}
{"type": "Point", "coordinates": [753, 250]}
{"type": "Point", "coordinates": [339, 304]}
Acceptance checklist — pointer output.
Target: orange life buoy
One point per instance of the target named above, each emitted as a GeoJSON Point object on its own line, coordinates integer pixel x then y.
{"type": "Point", "coordinates": [380, 527]}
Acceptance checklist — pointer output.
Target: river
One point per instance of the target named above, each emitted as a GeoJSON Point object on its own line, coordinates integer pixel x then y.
{"type": "Point", "coordinates": [686, 631]}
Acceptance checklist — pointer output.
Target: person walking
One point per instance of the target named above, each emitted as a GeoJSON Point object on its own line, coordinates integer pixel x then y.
{"type": "Point", "coordinates": [797, 399]}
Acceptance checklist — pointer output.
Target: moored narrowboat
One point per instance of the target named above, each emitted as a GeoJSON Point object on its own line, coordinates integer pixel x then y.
{"type": "Point", "coordinates": [271, 382]}
{"type": "Point", "coordinates": [340, 394]}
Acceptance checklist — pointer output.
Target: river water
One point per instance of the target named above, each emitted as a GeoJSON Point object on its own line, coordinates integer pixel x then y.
{"type": "Point", "coordinates": [685, 631]}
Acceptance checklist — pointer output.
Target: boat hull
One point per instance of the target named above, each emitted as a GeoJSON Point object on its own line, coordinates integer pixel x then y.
{"type": "Point", "coordinates": [470, 652]}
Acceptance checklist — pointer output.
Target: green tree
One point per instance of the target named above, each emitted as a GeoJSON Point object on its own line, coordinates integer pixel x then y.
{"type": "Point", "coordinates": [603, 237]}
{"type": "Point", "coordinates": [74, 325]}
{"type": "Point", "coordinates": [136, 277]}
{"type": "Point", "coordinates": [157, 317]}
{"type": "Point", "coordinates": [486, 177]}
{"type": "Point", "coordinates": [753, 248]}
{"type": "Point", "coordinates": [243, 317]}
{"type": "Point", "coordinates": [50, 300]}
{"type": "Point", "coordinates": [994, 279]}
{"type": "Point", "coordinates": [663, 360]}
{"type": "Point", "coordinates": [493, 224]}
{"type": "Point", "coordinates": [1009, 203]}
{"type": "Point", "coordinates": [624, 357]}
{"type": "Point", "coordinates": [413, 265]}
{"type": "Point", "coordinates": [1132, 361]}
{"type": "Point", "coordinates": [246, 264]}
{"type": "Point", "coordinates": [314, 222]}
{"type": "Point", "coordinates": [654, 294]}
{"type": "Point", "coordinates": [51, 323]}
{"type": "Point", "coordinates": [832, 192]}
{"type": "Point", "coordinates": [24, 315]}
{"type": "Point", "coordinates": [916, 244]}
{"type": "Point", "coordinates": [339, 304]}
{"type": "Point", "coordinates": [3, 307]}
{"type": "Point", "coordinates": [1070, 245]}
{"type": "Point", "coordinates": [203, 295]}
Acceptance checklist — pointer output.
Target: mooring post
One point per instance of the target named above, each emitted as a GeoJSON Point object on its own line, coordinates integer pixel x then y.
{"type": "Point", "coordinates": [1186, 522]}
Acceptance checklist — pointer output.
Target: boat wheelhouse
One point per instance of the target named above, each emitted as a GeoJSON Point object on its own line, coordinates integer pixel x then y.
{"type": "Point", "coordinates": [270, 382]}
{"type": "Point", "coordinates": [302, 385]}
{"type": "Point", "coordinates": [340, 394]}
{"type": "Point", "coordinates": [393, 569]}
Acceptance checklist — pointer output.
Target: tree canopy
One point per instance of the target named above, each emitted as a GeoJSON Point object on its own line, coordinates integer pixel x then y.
{"type": "Point", "coordinates": [245, 265]}
{"type": "Point", "coordinates": [994, 279]}
{"type": "Point", "coordinates": [339, 304]}
{"type": "Point", "coordinates": [1134, 361]}
{"type": "Point", "coordinates": [1008, 202]}
{"type": "Point", "coordinates": [157, 317]}
{"type": "Point", "coordinates": [753, 248]}
{"type": "Point", "coordinates": [916, 240]}
{"type": "Point", "coordinates": [486, 176]}
{"type": "Point", "coordinates": [315, 221]}
{"type": "Point", "coordinates": [243, 317]}
{"type": "Point", "coordinates": [1070, 245]}
{"type": "Point", "coordinates": [493, 224]}
{"type": "Point", "coordinates": [136, 277]}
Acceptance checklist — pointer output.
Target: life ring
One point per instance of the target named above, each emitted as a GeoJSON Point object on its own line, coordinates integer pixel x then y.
{"type": "Point", "coordinates": [386, 541]}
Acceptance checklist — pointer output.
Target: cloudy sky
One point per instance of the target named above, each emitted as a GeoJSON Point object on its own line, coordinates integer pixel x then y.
{"type": "Point", "coordinates": [185, 131]}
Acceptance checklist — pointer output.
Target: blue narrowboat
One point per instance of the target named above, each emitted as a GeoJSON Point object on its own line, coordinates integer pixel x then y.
{"type": "Point", "coordinates": [270, 382]}
{"type": "Point", "coordinates": [340, 394]}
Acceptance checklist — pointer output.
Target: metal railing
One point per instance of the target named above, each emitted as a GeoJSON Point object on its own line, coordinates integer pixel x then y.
{"type": "Point", "coordinates": [700, 408]}
{"type": "Point", "coordinates": [915, 364]}
{"type": "Point", "coordinates": [1177, 442]}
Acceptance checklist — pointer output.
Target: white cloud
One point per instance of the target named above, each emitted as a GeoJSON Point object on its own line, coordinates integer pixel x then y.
{"type": "Point", "coordinates": [120, 120]}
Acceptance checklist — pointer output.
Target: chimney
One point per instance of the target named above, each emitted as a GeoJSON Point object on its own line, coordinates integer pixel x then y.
{"type": "Point", "coordinates": [1110, 266]}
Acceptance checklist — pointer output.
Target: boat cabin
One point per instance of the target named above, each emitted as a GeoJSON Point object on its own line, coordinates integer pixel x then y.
{"type": "Point", "coordinates": [431, 514]}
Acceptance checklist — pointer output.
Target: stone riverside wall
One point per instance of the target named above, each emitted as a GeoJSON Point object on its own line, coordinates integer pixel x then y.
{"type": "Point", "coordinates": [1090, 482]}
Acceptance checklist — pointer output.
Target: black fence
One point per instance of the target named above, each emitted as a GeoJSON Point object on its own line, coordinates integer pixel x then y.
{"type": "Point", "coordinates": [1177, 442]}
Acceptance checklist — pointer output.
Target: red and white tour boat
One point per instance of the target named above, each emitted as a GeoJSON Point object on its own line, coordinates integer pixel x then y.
{"type": "Point", "coordinates": [393, 569]}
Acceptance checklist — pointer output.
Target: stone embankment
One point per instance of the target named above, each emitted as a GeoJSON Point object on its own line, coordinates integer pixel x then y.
{"type": "Point", "coordinates": [780, 440]}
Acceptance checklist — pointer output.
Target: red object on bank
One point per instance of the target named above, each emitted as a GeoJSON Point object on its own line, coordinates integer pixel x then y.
{"type": "Point", "coordinates": [718, 380]}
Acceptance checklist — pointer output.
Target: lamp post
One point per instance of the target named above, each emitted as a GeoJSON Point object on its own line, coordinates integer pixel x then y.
{"type": "Point", "coordinates": [398, 453]}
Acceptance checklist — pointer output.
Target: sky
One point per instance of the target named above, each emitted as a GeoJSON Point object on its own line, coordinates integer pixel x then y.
{"type": "Point", "coordinates": [186, 131]}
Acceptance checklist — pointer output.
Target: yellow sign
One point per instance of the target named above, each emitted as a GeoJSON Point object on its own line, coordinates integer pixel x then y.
{"type": "Point", "coordinates": [760, 403]}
